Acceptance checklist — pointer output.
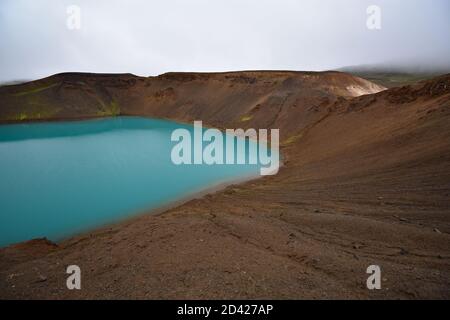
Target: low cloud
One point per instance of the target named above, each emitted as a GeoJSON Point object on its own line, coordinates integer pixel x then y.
{"type": "Point", "coordinates": [152, 37]}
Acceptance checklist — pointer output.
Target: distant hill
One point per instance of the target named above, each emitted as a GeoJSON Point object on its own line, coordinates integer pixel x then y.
{"type": "Point", "coordinates": [396, 75]}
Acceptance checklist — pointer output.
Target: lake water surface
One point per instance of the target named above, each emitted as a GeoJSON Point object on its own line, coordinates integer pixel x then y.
{"type": "Point", "coordinates": [62, 178]}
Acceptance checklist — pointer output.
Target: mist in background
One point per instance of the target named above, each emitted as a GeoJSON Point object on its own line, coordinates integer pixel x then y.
{"type": "Point", "coordinates": [153, 37]}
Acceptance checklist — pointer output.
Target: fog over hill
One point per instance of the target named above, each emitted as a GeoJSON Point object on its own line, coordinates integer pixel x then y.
{"type": "Point", "coordinates": [400, 72]}
{"type": "Point", "coordinates": [441, 66]}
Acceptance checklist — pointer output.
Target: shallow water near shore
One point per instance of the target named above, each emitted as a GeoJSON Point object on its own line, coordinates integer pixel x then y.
{"type": "Point", "coordinates": [58, 179]}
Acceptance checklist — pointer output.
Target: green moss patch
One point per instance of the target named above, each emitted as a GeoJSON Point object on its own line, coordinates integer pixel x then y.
{"type": "Point", "coordinates": [246, 118]}
{"type": "Point", "coordinates": [113, 109]}
{"type": "Point", "coordinates": [35, 90]}
{"type": "Point", "coordinates": [291, 139]}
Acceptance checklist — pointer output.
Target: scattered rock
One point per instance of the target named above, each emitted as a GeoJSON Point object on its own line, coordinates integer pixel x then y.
{"type": "Point", "coordinates": [437, 230]}
{"type": "Point", "coordinates": [12, 276]}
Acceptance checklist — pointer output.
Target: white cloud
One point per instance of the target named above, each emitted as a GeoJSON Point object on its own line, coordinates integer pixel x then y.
{"type": "Point", "coordinates": [152, 37]}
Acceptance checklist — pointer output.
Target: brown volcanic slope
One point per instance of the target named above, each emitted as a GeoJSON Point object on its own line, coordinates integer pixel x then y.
{"type": "Point", "coordinates": [263, 99]}
{"type": "Point", "coordinates": [366, 181]}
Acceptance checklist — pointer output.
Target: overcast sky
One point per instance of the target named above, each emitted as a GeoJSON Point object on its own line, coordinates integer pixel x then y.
{"type": "Point", "coordinates": [151, 37]}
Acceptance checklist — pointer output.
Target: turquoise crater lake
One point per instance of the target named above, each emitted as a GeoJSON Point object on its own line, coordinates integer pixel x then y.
{"type": "Point", "coordinates": [58, 179]}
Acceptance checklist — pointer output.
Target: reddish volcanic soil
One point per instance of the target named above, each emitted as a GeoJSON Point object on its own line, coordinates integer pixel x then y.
{"type": "Point", "coordinates": [366, 181]}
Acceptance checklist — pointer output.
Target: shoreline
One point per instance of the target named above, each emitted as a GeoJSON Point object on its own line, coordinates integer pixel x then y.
{"type": "Point", "coordinates": [209, 190]}
{"type": "Point", "coordinates": [160, 210]}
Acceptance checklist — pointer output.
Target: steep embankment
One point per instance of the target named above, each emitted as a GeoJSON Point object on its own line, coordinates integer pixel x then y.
{"type": "Point", "coordinates": [366, 181]}
{"type": "Point", "coordinates": [265, 99]}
